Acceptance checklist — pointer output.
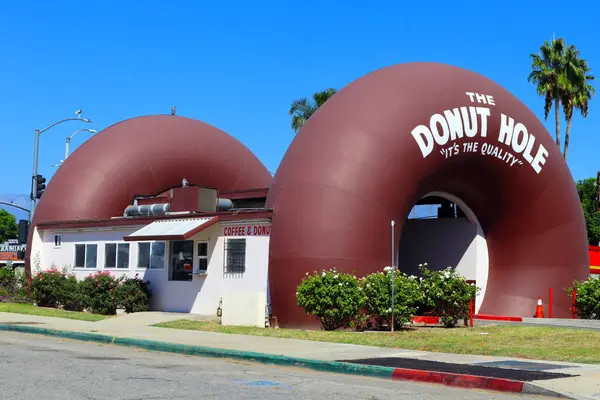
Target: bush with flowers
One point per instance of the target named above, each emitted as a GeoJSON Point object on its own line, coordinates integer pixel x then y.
{"type": "Point", "coordinates": [377, 288]}
{"type": "Point", "coordinates": [447, 293]}
{"type": "Point", "coordinates": [133, 294]}
{"type": "Point", "coordinates": [98, 293]}
{"type": "Point", "coordinates": [588, 298]}
{"type": "Point", "coordinates": [51, 288]}
{"type": "Point", "coordinates": [8, 279]}
{"type": "Point", "coordinates": [335, 298]}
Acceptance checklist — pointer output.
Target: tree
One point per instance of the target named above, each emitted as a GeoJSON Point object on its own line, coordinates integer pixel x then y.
{"type": "Point", "coordinates": [8, 226]}
{"type": "Point", "coordinates": [302, 109]}
{"type": "Point", "coordinates": [547, 66]}
{"type": "Point", "coordinates": [576, 89]}
{"type": "Point", "coordinates": [587, 190]}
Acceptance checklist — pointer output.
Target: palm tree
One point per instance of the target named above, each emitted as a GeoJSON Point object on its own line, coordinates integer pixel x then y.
{"type": "Point", "coordinates": [547, 66]}
{"type": "Point", "coordinates": [576, 91]}
{"type": "Point", "coordinates": [302, 109]}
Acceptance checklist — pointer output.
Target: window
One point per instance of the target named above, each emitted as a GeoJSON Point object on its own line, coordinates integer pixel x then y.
{"type": "Point", "coordinates": [123, 255]}
{"type": "Point", "coordinates": [202, 256]}
{"type": "Point", "coordinates": [181, 260]}
{"type": "Point", "coordinates": [58, 240]}
{"type": "Point", "coordinates": [86, 255]}
{"type": "Point", "coordinates": [116, 255]}
{"type": "Point", "coordinates": [151, 255]}
{"type": "Point", "coordinates": [110, 255]}
{"type": "Point", "coordinates": [235, 256]}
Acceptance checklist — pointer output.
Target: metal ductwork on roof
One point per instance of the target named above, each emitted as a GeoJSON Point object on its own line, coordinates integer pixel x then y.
{"type": "Point", "coordinates": [147, 209]}
{"type": "Point", "coordinates": [164, 208]}
{"type": "Point", "coordinates": [224, 204]}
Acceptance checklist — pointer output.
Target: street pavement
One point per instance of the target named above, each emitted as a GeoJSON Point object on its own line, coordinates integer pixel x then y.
{"type": "Point", "coordinates": [584, 384]}
{"type": "Point", "coordinates": [39, 367]}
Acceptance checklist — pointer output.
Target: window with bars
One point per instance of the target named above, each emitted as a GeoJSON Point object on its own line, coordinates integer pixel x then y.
{"type": "Point", "coordinates": [235, 256]}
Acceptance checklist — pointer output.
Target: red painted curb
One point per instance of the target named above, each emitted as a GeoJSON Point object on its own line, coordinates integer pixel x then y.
{"type": "Point", "coordinates": [498, 318]}
{"type": "Point", "coordinates": [426, 320]}
{"type": "Point", "coordinates": [458, 380]}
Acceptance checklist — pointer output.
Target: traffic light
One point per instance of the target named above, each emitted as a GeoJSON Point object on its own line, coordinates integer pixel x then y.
{"type": "Point", "coordinates": [40, 186]}
{"type": "Point", "coordinates": [23, 231]}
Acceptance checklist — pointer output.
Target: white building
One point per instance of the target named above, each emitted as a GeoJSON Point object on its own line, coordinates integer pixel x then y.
{"type": "Point", "coordinates": [195, 260]}
{"type": "Point", "coordinates": [202, 252]}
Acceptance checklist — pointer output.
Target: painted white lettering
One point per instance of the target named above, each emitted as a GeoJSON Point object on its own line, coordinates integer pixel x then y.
{"type": "Point", "coordinates": [470, 125]}
{"type": "Point", "coordinates": [485, 113]}
{"type": "Point", "coordinates": [470, 94]}
{"type": "Point", "coordinates": [484, 148]}
{"type": "Point", "coordinates": [527, 154]}
{"type": "Point", "coordinates": [519, 138]}
{"type": "Point", "coordinates": [539, 159]}
{"type": "Point", "coordinates": [440, 138]}
{"type": "Point", "coordinates": [424, 139]}
{"type": "Point", "coordinates": [454, 123]}
{"type": "Point", "coordinates": [506, 129]}
{"type": "Point", "coordinates": [480, 98]}
{"type": "Point", "coordinates": [490, 100]}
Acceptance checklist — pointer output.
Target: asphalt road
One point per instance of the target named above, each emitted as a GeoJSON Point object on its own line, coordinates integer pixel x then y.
{"type": "Point", "coordinates": [39, 367]}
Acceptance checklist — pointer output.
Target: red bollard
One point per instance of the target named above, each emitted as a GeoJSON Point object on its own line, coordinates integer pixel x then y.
{"type": "Point", "coordinates": [574, 305]}
{"type": "Point", "coordinates": [471, 313]}
{"type": "Point", "coordinates": [550, 305]}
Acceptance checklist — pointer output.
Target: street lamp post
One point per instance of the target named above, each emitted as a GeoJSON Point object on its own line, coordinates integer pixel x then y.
{"type": "Point", "coordinates": [393, 267]}
{"type": "Point", "coordinates": [4, 203]}
{"type": "Point", "coordinates": [36, 143]}
{"type": "Point", "coordinates": [70, 137]}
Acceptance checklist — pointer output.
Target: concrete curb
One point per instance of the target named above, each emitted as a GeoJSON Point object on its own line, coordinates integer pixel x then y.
{"type": "Point", "coordinates": [449, 379]}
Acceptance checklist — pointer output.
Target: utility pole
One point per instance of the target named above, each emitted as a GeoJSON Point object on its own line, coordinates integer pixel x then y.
{"type": "Point", "coordinates": [598, 192]}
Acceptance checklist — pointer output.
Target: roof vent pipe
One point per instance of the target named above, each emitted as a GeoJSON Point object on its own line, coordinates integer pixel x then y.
{"type": "Point", "coordinates": [147, 209]}
{"type": "Point", "coordinates": [224, 204]}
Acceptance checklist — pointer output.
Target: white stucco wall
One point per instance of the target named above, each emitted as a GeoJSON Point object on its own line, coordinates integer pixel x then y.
{"type": "Point", "coordinates": [201, 295]}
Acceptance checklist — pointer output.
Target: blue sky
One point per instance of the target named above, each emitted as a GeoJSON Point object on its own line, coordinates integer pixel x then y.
{"type": "Point", "coordinates": [238, 65]}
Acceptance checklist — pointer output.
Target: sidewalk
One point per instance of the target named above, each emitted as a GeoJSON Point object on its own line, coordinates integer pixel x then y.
{"type": "Point", "coordinates": [550, 322]}
{"type": "Point", "coordinates": [584, 382]}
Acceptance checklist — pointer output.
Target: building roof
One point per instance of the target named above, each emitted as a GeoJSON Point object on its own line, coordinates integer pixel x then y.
{"type": "Point", "coordinates": [172, 229]}
{"type": "Point", "coordinates": [236, 215]}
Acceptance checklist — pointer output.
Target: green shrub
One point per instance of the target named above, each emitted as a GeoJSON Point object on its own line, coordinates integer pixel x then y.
{"type": "Point", "coordinates": [72, 298]}
{"type": "Point", "coordinates": [588, 298]}
{"type": "Point", "coordinates": [448, 293]}
{"type": "Point", "coordinates": [8, 279]}
{"type": "Point", "coordinates": [98, 293]}
{"type": "Point", "coordinates": [377, 288]}
{"type": "Point", "coordinates": [335, 298]}
{"type": "Point", "coordinates": [47, 288]}
{"type": "Point", "coordinates": [133, 294]}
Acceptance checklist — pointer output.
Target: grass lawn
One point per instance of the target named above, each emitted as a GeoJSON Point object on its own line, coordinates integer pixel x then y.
{"type": "Point", "coordinates": [30, 309]}
{"type": "Point", "coordinates": [541, 343]}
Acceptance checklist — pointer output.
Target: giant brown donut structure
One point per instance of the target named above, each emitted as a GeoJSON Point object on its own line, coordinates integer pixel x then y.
{"type": "Point", "coordinates": [145, 156]}
{"type": "Point", "coordinates": [362, 160]}
{"type": "Point", "coordinates": [397, 134]}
